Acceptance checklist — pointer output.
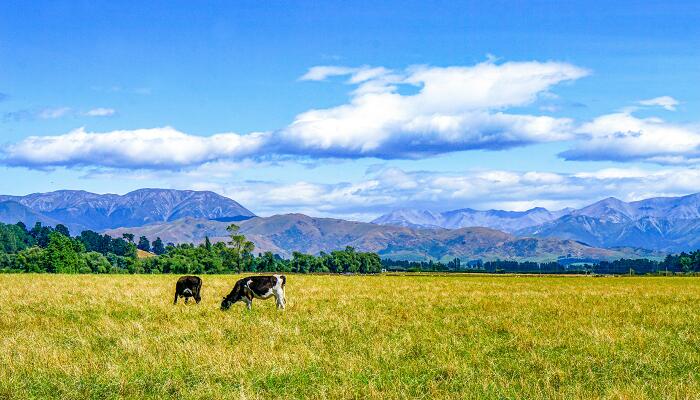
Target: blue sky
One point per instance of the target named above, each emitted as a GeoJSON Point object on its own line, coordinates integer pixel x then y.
{"type": "Point", "coordinates": [352, 109]}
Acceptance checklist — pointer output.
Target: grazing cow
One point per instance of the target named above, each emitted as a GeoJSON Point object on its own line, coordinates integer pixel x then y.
{"type": "Point", "coordinates": [256, 287]}
{"type": "Point", "coordinates": [188, 286]}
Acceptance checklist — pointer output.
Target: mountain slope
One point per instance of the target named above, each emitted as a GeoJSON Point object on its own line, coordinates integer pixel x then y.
{"type": "Point", "coordinates": [284, 234]}
{"type": "Point", "coordinates": [12, 212]}
{"type": "Point", "coordinates": [140, 207]}
{"type": "Point", "coordinates": [663, 223]}
{"type": "Point", "coordinates": [507, 221]}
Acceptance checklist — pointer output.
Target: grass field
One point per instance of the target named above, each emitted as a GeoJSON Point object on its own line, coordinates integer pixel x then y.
{"type": "Point", "coordinates": [352, 337]}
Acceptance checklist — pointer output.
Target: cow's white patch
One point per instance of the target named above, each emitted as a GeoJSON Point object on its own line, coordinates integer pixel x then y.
{"type": "Point", "coordinates": [279, 292]}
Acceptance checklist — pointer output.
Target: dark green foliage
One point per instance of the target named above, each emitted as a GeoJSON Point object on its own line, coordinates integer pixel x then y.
{"type": "Point", "coordinates": [63, 254]}
{"type": "Point", "coordinates": [144, 244]}
{"type": "Point", "coordinates": [41, 234]}
{"type": "Point", "coordinates": [32, 259]}
{"type": "Point", "coordinates": [105, 244]}
{"type": "Point", "coordinates": [672, 264]}
{"type": "Point", "coordinates": [62, 229]}
{"type": "Point", "coordinates": [428, 266]}
{"type": "Point", "coordinates": [158, 247]}
{"type": "Point", "coordinates": [14, 238]}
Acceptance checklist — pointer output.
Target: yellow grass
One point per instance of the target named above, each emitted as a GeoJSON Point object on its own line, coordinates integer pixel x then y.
{"type": "Point", "coordinates": [144, 254]}
{"type": "Point", "coordinates": [352, 337]}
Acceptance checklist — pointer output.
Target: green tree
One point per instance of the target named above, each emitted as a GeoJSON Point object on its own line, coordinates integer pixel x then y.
{"type": "Point", "coordinates": [129, 237]}
{"type": "Point", "coordinates": [41, 234]}
{"type": "Point", "coordinates": [144, 244]}
{"type": "Point", "coordinates": [96, 262]}
{"type": "Point", "coordinates": [63, 254]}
{"type": "Point", "coordinates": [14, 238]}
{"type": "Point", "coordinates": [32, 259]}
{"type": "Point", "coordinates": [123, 248]}
{"type": "Point", "coordinates": [62, 229]}
{"type": "Point", "coordinates": [158, 247]}
{"type": "Point", "coordinates": [686, 263]}
{"type": "Point", "coordinates": [238, 250]}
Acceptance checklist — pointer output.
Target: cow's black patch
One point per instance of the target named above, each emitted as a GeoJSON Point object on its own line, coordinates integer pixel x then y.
{"type": "Point", "coordinates": [188, 286]}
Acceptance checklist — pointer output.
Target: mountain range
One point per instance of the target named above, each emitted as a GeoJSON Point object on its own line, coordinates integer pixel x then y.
{"type": "Point", "coordinates": [284, 234]}
{"type": "Point", "coordinates": [609, 228]}
{"type": "Point", "coordinates": [507, 221]}
{"type": "Point", "coordinates": [663, 223]}
{"type": "Point", "coordinates": [80, 210]}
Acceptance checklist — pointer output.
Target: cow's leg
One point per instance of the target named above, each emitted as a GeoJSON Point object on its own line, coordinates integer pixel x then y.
{"type": "Point", "coordinates": [175, 301]}
{"type": "Point", "coordinates": [249, 300]}
{"type": "Point", "coordinates": [187, 299]}
{"type": "Point", "coordinates": [279, 296]}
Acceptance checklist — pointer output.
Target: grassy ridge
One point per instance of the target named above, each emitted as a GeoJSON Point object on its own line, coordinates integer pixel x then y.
{"type": "Point", "coordinates": [352, 337]}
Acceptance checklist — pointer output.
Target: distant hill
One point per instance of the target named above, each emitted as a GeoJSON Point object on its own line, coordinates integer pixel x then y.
{"type": "Point", "coordinates": [666, 223]}
{"type": "Point", "coordinates": [284, 234]}
{"type": "Point", "coordinates": [80, 209]}
{"type": "Point", "coordinates": [507, 221]}
{"type": "Point", "coordinates": [12, 212]}
{"type": "Point", "coordinates": [669, 224]}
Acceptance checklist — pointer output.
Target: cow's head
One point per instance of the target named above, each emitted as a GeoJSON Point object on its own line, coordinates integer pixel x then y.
{"type": "Point", "coordinates": [235, 295]}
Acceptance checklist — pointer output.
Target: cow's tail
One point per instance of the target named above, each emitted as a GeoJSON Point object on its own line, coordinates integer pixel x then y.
{"type": "Point", "coordinates": [284, 280]}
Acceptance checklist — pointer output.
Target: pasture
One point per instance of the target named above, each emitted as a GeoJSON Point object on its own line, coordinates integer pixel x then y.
{"type": "Point", "coordinates": [389, 337]}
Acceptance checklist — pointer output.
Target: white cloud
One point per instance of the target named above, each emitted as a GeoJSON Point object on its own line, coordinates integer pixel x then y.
{"type": "Point", "coordinates": [452, 109]}
{"type": "Point", "coordinates": [412, 113]}
{"type": "Point", "coordinates": [323, 72]}
{"type": "Point", "coordinates": [158, 148]}
{"type": "Point", "coordinates": [667, 102]}
{"type": "Point", "coordinates": [100, 112]}
{"type": "Point", "coordinates": [625, 137]}
{"type": "Point", "coordinates": [357, 74]}
{"type": "Point", "coordinates": [392, 188]}
{"type": "Point", "coordinates": [52, 113]}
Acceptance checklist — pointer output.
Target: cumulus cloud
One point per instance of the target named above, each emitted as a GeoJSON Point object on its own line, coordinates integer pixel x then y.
{"type": "Point", "coordinates": [667, 102]}
{"type": "Point", "coordinates": [446, 109]}
{"type": "Point", "coordinates": [625, 137]}
{"type": "Point", "coordinates": [100, 112]}
{"type": "Point", "coordinates": [158, 148]}
{"type": "Point", "coordinates": [453, 109]}
{"type": "Point", "coordinates": [411, 113]}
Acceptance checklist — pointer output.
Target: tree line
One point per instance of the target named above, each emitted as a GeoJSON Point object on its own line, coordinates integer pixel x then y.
{"type": "Point", "coordinates": [54, 250]}
{"type": "Point", "coordinates": [673, 263]}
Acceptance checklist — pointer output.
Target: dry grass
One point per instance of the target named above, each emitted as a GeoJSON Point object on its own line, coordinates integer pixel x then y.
{"type": "Point", "coordinates": [352, 337]}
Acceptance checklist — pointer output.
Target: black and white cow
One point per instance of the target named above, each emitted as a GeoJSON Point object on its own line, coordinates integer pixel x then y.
{"type": "Point", "coordinates": [256, 287]}
{"type": "Point", "coordinates": [188, 286]}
